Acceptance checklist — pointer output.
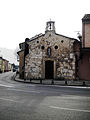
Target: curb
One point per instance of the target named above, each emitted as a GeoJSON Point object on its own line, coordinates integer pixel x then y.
{"type": "Point", "coordinates": [64, 84]}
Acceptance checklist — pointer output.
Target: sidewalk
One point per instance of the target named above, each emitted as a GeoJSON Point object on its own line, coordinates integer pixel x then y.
{"type": "Point", "coordinates": [55, 82]}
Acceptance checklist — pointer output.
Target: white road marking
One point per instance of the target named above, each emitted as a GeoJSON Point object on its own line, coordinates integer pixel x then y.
{"type": "Point", "coordinates": [78, 87]}
{"type": "Point", "coordinates": [9, 100]}
{"type": "Point", "coordinates": [19, 90]}
{"type": "Point", "coordinates": [69, 86]}
{"type": "Point", "coordinates": [70, 109]}
{"type": "Point", "coordinates": [6, 85]}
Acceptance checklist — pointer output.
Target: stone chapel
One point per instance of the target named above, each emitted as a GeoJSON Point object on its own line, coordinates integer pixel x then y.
{"type": "Point", "coordinates": [48, 56]}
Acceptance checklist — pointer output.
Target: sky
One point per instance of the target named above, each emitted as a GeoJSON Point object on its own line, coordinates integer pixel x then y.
{"type": "Point", "coordinates": [20, 19]}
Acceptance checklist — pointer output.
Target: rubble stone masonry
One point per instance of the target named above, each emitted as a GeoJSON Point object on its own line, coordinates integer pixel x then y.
{"type": "Point", "coordinates": [61, 54]}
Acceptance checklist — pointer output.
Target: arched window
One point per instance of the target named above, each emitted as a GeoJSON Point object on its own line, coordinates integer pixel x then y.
{"type": "Point", "coordinates": [49, 51]}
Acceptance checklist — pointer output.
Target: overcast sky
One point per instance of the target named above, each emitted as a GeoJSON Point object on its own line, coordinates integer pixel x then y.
{"type": "Point", "coordinates": [26, 18]}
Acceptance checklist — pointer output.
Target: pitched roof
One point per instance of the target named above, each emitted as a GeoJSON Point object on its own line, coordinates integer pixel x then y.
{"type": "Point", "coordinates": [66, 36]}
{"type": "Point", "coordinates": [36, 36]}
{"type": "Point", "coordinates": [86, 17]}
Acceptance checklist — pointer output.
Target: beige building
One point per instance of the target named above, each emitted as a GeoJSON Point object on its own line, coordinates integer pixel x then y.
{"type": "Point", "coordinates": [48, 56]}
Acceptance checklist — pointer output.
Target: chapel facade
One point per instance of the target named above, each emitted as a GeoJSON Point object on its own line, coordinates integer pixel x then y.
{"type": "Point", "coordinates": [48, 56]}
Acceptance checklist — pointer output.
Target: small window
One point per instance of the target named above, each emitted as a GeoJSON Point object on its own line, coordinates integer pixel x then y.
{"type": "Point", "coordinates": [37, 41]}
{"type": "Point", "coordinates": [49, 51]}
{"type": "Point", "coordinates": [49, 35]}
{"type": "Point", "coordinates": [42, 47]}
{"type": "Point", "coordinates": [71, 56]}
{"type": "Point", "coordinates": [62, 41]}
{"type": "Point", "coordinates": [56, 47]}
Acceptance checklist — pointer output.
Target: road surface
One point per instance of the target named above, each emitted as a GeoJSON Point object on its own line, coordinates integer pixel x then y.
{"type": "Point", "coordinates": [22, 101]}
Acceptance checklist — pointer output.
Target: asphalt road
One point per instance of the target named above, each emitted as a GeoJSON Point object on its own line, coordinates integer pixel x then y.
{"type": "Point", "coordinates": [22, 101]}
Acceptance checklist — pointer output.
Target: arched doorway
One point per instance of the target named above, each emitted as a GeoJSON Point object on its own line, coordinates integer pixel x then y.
{"type": "Point", "coordinates": [49, 69]}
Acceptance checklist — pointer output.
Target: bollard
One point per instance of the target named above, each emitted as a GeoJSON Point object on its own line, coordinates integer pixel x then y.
{"type": "Point", "coordinates": [65, 82]}
{"type": "Point", "coordinates": [84, 84]}
{"type": "Point", "coordinates": [30, 80]}
{"type": "Point", "coordinates": [40, 81]}
{"type": "Point", "coordinates": [24, 79]}
{"type": "Point", "coordinates": [52, 82]}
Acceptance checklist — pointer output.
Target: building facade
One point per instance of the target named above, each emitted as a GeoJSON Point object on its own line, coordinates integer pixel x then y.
{"type": "Point", "coordinates": [21, 64]}
{"type": "Point", "coordinates": [48, 56]}
{"type": "Point", "coordinates": [84, 61]}
{"type": "Point", "coordinates": [5, 66]}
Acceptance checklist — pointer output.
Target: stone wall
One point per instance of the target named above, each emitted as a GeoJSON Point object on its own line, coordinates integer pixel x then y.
{"type": "Point", "coordinates": [61, 53]}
